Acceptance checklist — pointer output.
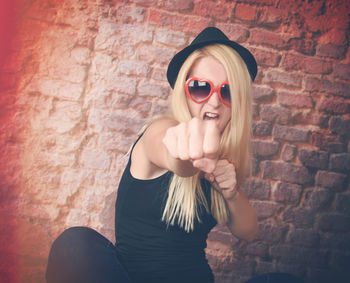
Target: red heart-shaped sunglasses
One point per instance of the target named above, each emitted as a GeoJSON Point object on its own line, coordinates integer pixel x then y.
{"type": "Point", "coordinates": [201, 90]}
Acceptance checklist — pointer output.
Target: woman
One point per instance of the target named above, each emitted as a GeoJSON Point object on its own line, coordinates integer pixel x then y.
{"type": "Point", "coordinates": [183, 177]}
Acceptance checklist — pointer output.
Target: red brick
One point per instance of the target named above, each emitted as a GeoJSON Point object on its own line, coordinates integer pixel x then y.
{"type": "Point", "coordinates": [285, 172]}
{"type": "Point", "coordinates": [159, 74]}
{"type": "Point", "coordinates": [265, 148]}
{"type": "Point", "coordinates": [213, 9]}
{"type": "Point", "coordinates": [146, 2]}
{"type": "Point", "coordinates": [317, 66]}
{"type": "Point", "coordinates": [130, 14]}
{"type": "Point", "coordinates": [270, 17]}
{"type": "Point", "coordinates": [273, 113]}
{"type": "Point", "coordinates": [291, 99]}
{"type": "Point", "coordinates": [266, 58]}
{"type": "Point", "coordinates": [340, 126]}
{"type": "Point", "coordinates": [177, 22]}
{"type": "Point", "coordinates": [262, 94]}
{"type": "Point", "coordinates": [340, 162]}
{"type": "Point", "coordinates": [133, 68]}
{"type": "Point", "coordinates": [333, 222]}
{"type": "Point", "coordinates": [290, 134]}
{"type": "Point", "coordinates": [245, 12]}
{"type": "Point", "coordinates": [257, 189]}
{"type": "Point", "coordinates": [287, 193]}
{"type": "Point", "coordinates": [255, 110]}
{"type": "Point", "coordinates": [257, 249]}
{"type": "Point", "coordinates": [311, 118]}
{"type": "Point", "coordinates": [299, 217]}
{"type": "Point", "coordinates": [235, 32]}
{"type": "Point", "coordinates": [262, 128]}
{"type": "Point", "coordinates": [123, 124]}
{"type": "Point", "coordinates": [265, 209]}
{"type": "Point", "coordinates": [267, 38]}
{"type": "Point", "coordinates": [152, 54]}
{"type": "Point", "coordinates": [178, 5]}
{"type": "Point", "coordinates": [331, 87]}
{"type": "Point", "coordinates": [342, 71]}
{"type": "Point", "coordinates": [331, 51]}
{"type": "Point", "coordinates": [310, 65]}
{"type": "Point", "coordinates": [334, 105]}
{"type": "Point", "coordinates": [288, 152]}
{"type": "Point", "coordinates": [222, 234]}
{"type": "Point", "coordinates": [322, 140]}
{"type": "Point", "coordinates": [283, 78]}
{"type": "Point", "coordinates": [342, 204]}
{"type": "Point", "coordinates": [259, 3]}
{"type": "Point", "coordinates": [269, 233]}
{"type": "Point", "coordinates": [313, 158]}
{"type": "Point", "coordinates": [170, 37]}
{"type": "Point", "coordinates": [303, 237]}
{"type": "Point", "coordinates": [255, 166]}
{"type": "Point", "coordinates": [334, 147]}
{"type": "Point", "coordinates": [318, 199]}
{"type": "Point", "coordinates": [150, 89]}
{"type": "Point", "coordinates": [303, 45]}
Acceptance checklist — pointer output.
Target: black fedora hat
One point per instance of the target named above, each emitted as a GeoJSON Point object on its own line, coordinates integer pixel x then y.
{"type": "Point", "coordinates": [209, 36]}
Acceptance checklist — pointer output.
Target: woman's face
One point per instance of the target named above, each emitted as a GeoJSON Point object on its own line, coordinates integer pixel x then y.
{"type": "Point", "coordinates": [210, 69]}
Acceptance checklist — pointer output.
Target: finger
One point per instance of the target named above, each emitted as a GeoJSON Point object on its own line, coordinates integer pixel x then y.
{"type": "Point", "coordinates": [211, 140]}
{"type": "Point", "coordinates": [196, 139]}
{"type": "Point", "coordinates": [227, 183]}
{"type": "Point", "coordinates": [182, 141]}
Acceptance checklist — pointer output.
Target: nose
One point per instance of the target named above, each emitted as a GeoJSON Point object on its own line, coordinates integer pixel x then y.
{"type": "Point", "coordinates": [214, 99]}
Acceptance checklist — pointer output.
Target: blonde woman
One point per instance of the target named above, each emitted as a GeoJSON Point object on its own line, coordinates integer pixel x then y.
{"type": "Point", "coordinates": [184, 176]}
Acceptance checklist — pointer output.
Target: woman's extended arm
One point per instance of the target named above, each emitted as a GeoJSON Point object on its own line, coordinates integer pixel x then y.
{"type": "Point", "coordinates": [169, 145]}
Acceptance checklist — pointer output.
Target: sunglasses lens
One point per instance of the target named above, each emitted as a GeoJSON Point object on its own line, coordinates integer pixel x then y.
{"type": "Point", "coordinates": [199, 90]}
{"type": "Point", "coordinates": [225, 93]}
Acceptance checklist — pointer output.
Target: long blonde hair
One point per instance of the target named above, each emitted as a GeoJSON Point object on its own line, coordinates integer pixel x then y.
{"type": "Point", "coordinates": [186, 194]}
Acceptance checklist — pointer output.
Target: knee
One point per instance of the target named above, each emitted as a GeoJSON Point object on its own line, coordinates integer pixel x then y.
{"type": "Point", "coordinates": [73, 241]}
{"type": "Point", "coordinates": [68, 254]}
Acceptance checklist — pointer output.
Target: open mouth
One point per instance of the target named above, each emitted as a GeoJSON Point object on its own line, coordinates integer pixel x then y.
{"type": "Point", "coordinates": [210, 116]}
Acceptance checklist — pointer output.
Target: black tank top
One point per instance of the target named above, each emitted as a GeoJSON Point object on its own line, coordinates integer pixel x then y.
{"type": "Point", "coordinates": [150, 250]}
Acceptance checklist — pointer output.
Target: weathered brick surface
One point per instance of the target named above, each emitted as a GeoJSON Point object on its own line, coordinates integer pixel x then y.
{"type": "Point", "coordinates": [265, 149]}
{"type": "Point", "coordinates": [288, 152]}
{"type": "Point", "coordinates": [285, 172]}
{"type": "Point", "coordinates": [318, 199]}
{"type": "Point", "coordinates": [287, 192]}
{"type": "Point", "coordinates": [262, 128]}
{"type": "Point", "coordinates": [335, 181]}
{"type": "Point", "coordinates": [80, 78]}
{"type": "Point", "coordinates": [290, 134]}
{"type": "Point", "coordinates": [276, 114]}
{"type": "Point", "coordinates": [313, 158]}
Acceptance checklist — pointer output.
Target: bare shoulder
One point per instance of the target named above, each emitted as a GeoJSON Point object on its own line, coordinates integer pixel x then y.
{"type": "Point", "coordinates": [149, 154]}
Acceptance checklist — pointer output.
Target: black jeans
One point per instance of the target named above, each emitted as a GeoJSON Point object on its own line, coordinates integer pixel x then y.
{"type": "Point", "coordinates": [82, 255]}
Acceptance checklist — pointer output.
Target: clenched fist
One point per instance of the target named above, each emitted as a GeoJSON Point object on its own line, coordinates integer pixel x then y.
{"type": "Point", "coordinates": [197, 141]}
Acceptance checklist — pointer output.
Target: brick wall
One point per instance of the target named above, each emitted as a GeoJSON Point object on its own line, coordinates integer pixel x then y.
{"type": "Point", "coordinates": [82, 77]}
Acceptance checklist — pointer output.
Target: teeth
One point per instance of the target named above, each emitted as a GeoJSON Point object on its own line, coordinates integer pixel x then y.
{"type": "Point", "coordinates": [211, 115]}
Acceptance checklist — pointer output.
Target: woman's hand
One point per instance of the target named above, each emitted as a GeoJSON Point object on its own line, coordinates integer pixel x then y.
{"type": "Point", "coordinates": [197, 141]}
{"type": "Point", "coordinates": [223, 179]}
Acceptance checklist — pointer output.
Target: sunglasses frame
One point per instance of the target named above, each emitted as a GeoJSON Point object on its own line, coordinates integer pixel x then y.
{"type": "Point", "coordinates": [212, 90]}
